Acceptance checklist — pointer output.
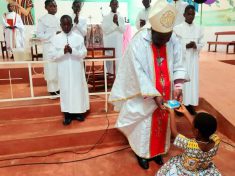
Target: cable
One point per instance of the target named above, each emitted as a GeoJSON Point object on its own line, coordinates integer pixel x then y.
{"type": "Point", "coordinates": [64, 162]}
{"type": "Point", "coordinates": [99, 141]}
{"type": "Point", "coordinates": [228, 143]}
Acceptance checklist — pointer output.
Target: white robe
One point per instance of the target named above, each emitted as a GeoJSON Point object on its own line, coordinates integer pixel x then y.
{"type": "Point", "coordinates": [14, 39]}
{"type": "Point", "coordinates": [81, 27]}
{"type": "Point", "coordinates": [113, 37]}
{"type": "Point", "coordinates": [47, 27]}
{"type": "Point", "coordinates": [74, 97]}
{"type": "Point", "coordinates": [134, 89]}
{"type": "Point", "coordinates": [180, 7]}
{"type": "Point", "coordinates": [142, 15]}
{"type": "Point", "coordinates": [189, 33]}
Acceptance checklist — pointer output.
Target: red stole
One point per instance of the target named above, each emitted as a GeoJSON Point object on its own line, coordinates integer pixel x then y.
{"type": "Point", "coordinates": [160, 117]}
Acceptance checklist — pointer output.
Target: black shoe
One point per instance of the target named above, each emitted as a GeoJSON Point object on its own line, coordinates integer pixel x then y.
{"type": "Point", "coordinates": [143, 162]}
{"type": "Point", "coordinates": [80, 117]}
{"type": "Point", "coordinates": [191, 110]}
{"type": "Point", "coordinates": [67, 121]}
{"type": "Point", "coordinates": [158, 160]}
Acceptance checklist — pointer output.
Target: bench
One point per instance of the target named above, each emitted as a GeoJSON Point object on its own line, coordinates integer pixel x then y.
{"type": "Point", "coordinates": [227, 44]}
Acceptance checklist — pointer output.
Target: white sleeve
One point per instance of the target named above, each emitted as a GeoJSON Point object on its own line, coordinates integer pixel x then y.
{"type": "Point", "coordinates": [82, 27]}
{"type": "Point", "coordinates": [79, 51]}
{"type": "Point", "coordinates": [137, 21]}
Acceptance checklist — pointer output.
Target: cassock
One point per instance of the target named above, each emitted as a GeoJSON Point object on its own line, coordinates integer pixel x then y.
{"type": "Point", "coordinates": [74, 97]}
{"type": "Point", "coordinates": [113, 37]}
{"type": "Point", "coordinates": [14, 37]}
{"type": "Point", "coordinates": [142, 15]}
{"type": "Point", "coordinates": [138, 81]}
{"type": "Point", "coordinates": [180, 7]}
{"type": "Point", "coordinates": [81, 27]}
{"type": "Point", "coordinates": [187, 33]}
{"type": "Point", "coordinates": [47, 27]}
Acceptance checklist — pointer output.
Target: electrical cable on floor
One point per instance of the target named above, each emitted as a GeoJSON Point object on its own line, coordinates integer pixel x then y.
{"type": "Point", "coordinates": [64, 162]}
{"type": "Point", "coordinates": [99, 141]}
{"type": "Point", "coordinates": [228, 143]}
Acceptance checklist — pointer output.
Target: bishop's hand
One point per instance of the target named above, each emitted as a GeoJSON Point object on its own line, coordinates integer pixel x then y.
{"type": "Point", "coordinates": [159, 101]}
{"type": "Point", "coordinates": [178, 95]}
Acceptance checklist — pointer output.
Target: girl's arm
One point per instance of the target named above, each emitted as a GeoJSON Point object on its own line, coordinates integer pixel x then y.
{"type": "Point", "coordinates": [188, 116]}
{"type": "Point", "coordinates": [173, 123]}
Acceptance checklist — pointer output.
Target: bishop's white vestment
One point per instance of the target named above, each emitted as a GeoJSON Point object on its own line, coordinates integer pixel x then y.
{"type": "Point", "coordinates": [145, 126]}
{"type": "Point", "coordinates": [74, 97]}
{"type": "Point", "coordinates": [113, 37]}
{"type": "Point", "coordinates": [14, 37]}
{"type": "Point", "coordinates": [47, 27]}
{"type": "Point", "coordinates": [187, 33]}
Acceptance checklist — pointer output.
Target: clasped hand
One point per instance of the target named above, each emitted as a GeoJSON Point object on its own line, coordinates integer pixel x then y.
{"type": "Point", "coordinates": [191, 45]}
{"type": "Point", "coordinates": [67, 49]}
{"type": "Point", "coordinates": [115, 19]}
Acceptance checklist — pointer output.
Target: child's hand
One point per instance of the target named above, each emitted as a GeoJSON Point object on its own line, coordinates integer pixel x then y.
{"type": "Point", "coordinates": [182, 109]}
{"type": "Point", "coordinates": [67, 49]}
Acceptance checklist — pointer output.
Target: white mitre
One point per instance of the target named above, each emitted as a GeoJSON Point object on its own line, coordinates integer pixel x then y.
{"type": "Point", "coordinates": [162, 16]}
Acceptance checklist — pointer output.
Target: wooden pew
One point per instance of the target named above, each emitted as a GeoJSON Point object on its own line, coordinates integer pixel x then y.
{"type": "Point", "coordinates": [227, 43]}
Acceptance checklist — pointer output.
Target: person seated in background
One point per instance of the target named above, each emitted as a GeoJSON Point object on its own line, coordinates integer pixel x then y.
{"type": "Point", "coordinates": [80, 23]}
{"type": "Point", "coordinates": [13, 29]}
{"type": "Point", "coordinates": [142, 16]}
{"type": "Point", "coordinates": [113, 26]}
{"type": "Point", "coordinates": [68, 50]}
{"type": "Point", "coordinates": [191, 37]}
{"type": "Point", "coordinates": [196, 160]}
{"type": "Point", "coordinates": [48, 26]}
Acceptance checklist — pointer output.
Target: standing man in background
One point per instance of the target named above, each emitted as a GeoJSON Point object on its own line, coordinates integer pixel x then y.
{"type": "Point", "coordinates": [48, 26]}
{"type": "Point", "coordinates": [113, 26]}
{"type": "Point", "coordinates": [13, 29]}
{"type": "Point", "coordinates": [191, 37]}
{"type": "Point", "coordinates": [142, 17]}
{"type": "Point", "coordinates": [80, 23]}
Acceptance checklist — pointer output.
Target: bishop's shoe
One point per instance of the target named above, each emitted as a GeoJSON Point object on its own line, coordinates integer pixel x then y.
{"type": "Point", "coordinates": [158, 159]}
{"type": "Point", "coordinates": [144, 163]}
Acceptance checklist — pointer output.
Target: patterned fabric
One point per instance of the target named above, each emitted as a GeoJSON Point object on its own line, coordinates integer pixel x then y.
{"type": "Point", "coordinates": [193, 162]}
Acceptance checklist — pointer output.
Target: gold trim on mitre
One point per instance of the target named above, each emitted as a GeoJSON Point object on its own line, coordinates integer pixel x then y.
{"type": "Point", "coordinates": [162, 16]}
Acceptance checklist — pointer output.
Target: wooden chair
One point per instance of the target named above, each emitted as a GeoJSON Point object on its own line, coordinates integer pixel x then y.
{"type": "Point", "coordinates": [95, 76]}
{"type": "Point", "coordinates": [4, 49]}
{"type": "Point", "coordinates": [35, 55]}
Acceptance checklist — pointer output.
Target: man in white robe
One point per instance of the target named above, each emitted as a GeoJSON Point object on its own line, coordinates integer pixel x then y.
{"type": "Point", "coordinates": [113, 26]}
{"type": "Point", "coordinates": [80, 23]}
{"type": "Point", "coordinates": [13, 29]}
{"type": "Point", "coordinates": [180, 7]}
{"type": "Point", "coordinates": [151, 67]}
{"type": "Point", "coordinates": [191, 36]}
{"type": "Point", "coordinates": [68, 50]}
{"type": "Point", "coordinates": [142, 17]}
{"type": "Point", "coordinates": [48, 26]}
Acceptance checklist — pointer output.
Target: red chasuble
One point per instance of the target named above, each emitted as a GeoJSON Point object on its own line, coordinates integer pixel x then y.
{"type": "Point", "coordinates": [160, 117]}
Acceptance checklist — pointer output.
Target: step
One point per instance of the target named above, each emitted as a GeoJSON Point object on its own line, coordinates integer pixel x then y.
{"type": "Point", "coordinates": [45, 110]}
{"type": "Point", "coordinates": [45, 136]}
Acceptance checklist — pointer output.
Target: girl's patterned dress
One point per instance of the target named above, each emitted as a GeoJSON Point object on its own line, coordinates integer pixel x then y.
{"type": "Point", "coordinates": [193, 162]}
